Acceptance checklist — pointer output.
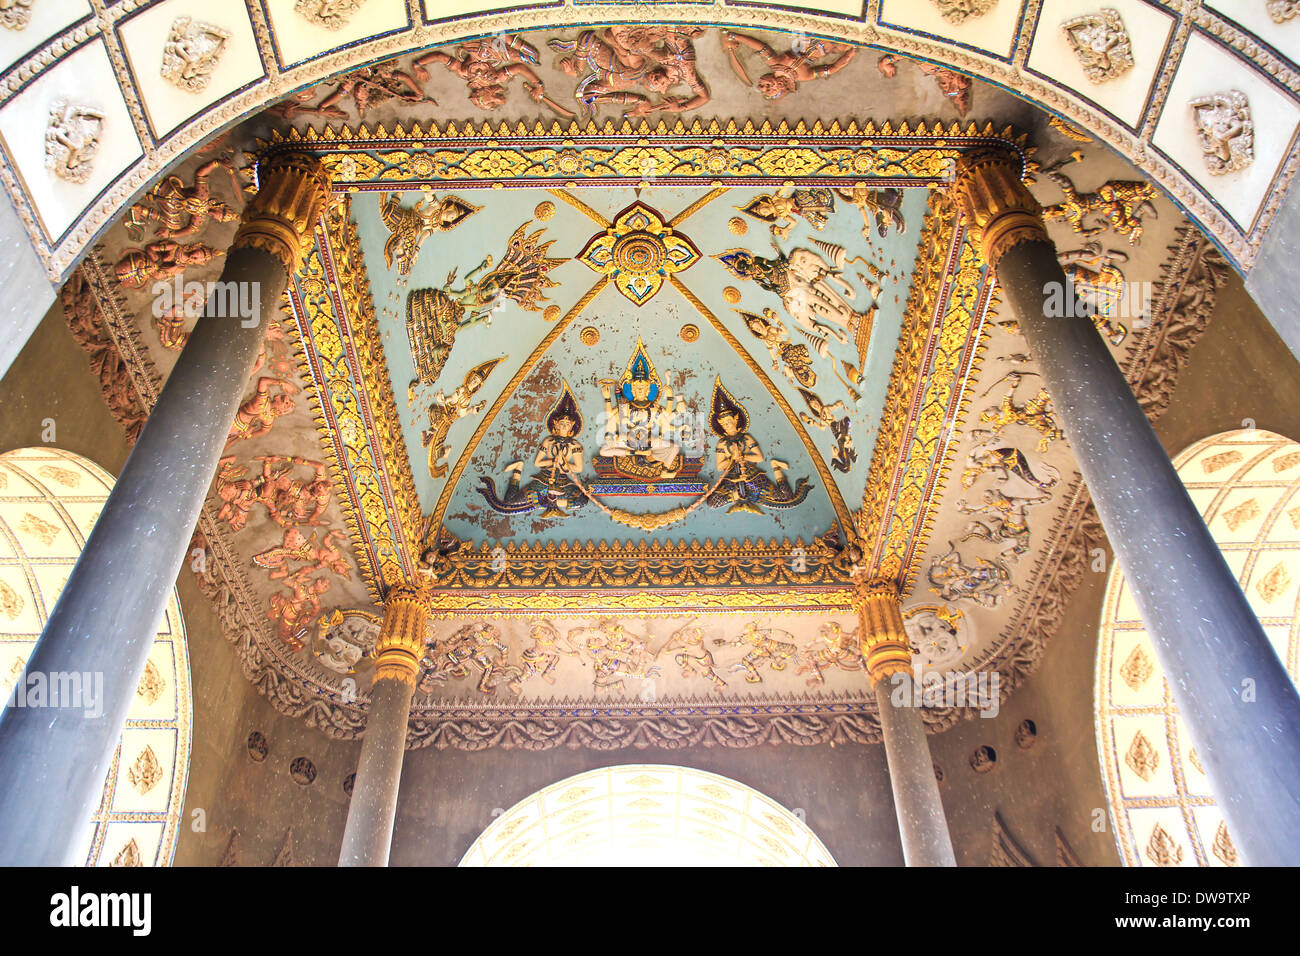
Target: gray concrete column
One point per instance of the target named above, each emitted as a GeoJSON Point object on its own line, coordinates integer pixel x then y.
{"type": "Point", "coordinates": [1236, 699]}
{"type": "Point", "coordinates": [922, 825]}
{"type": "Point", "coordinates": [53, 758]}
{"type": "Point", "coordinates": [368, 834]}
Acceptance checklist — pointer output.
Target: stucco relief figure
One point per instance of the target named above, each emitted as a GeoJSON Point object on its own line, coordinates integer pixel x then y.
{"type": "Point", "coordinates": [344, 639]}
{"type": "Point", "coordinates": [884, 207]}
{"type": "Point", "coordinates": [435, 316]}
{"type": "Point", "coordinates": [140, 267]}
{"type": "Point", "coordinates": [614, 653]}
{"type": "Point", "coordinates": [834, 648]}
{"type": "Point", "coordinates": [836, 418]}
{"type": "Point", "coordinates": [1036, 412]}
{"type": "Point", "coordinates": [789, 359]}
{"type": "Point", "coordinates": [936, 633]}
{"type": "Point", "coordinates": [258, 414]}
{"type": "Point", "coordinates": [1101, 43]}
{"type": "Point", "coordinates": [783, 209]}
{"type": "Point", "coordinates": [982, 582]}
{"type": "Point", "coordinates": [814, 290]}
{"type": "Point", "coordinates": [640, 422]}
{"type": "Point", "coordinates": [1226, 131]}
{"type": "Point", "coordinates": [317, 555]}
{"type": "Point", "coordinates": [478, 644]}
{"type": "Point", "coordinates": [72, 137]}
{"type": "Point", "coordinates": [410, 226]}
{"type": "Point", "coordinates": [959, 11]}
{"type": "Point", "coordinates": [1118, 204]}
{"type": "Point", "coordinates": [330, 14]}
{"type": "Point", "coordinates": [787, 70]}
{"type": "Point", "coordinates": [448, 409]}
{"type": "Point", "coordinates": [366, 87]}
{"type": "Point", "coordinates": [552, 488]}
{"type": "Point", "coordinates": [955, 86]}
{"type": "Point", "coordinates": [1004, 520]}
{"type": "Point", "coordinates": [1283, 10]}
{"type": "Point", "coordinates": [746, 487]}
{"type": "Point", "coordinates": [15, 14]}
{"type": "Point", "coordinates": [692, 656]}
{"type": "Point", "coordinates": [192, 51]}
{"type": "Point", "coordinates": [288, 499]}
{"type": "Point", "coordinates": [771, 646]}
{"type": "Point", "coordinates": [541, 658]}
{"type": "Point", "coordinates": [294, 609]}
{"type": "Point", "coordinates": [1099, 283]}
{"type": "Point", "coordinates": [611, 64]}
{"type": "Point", "coordinates": [179, 210]}
{"type": "Point", "coordinates": [487, 66]}
{"type": "Point", "coordinates": [1009, 466]}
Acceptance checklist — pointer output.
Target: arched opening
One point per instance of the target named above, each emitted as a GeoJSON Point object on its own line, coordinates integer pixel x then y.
{"type": "Point", "coordinates": [49, 501]}
{"type": "Point", "coordinates": [648, 815]}
{"type": "Point", "coordinates": [1247, 485]}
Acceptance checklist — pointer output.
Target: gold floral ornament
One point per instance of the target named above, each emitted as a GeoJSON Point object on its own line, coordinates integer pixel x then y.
{"type": "Point", "coordinates": [639, 251]}
{"type": "Point", "coordinates": [192, 52]}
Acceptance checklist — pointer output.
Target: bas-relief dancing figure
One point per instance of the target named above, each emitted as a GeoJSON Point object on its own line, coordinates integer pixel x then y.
{"type": "Point", "coordinates": [288, 500]}
{"type": "Point", "coordinates": [551, 488]}
{"type": "Point", "coordinates": [692, 656]}
{"type": "Point", "coordinates": [836, 418]}
{"type": "Point", "coordinates": [813, 290]}
{"type": "Point", "coordinates": [1036, 413]}
{"type": "Point", "coordinates": [316, 555]}
{"type": "Point", "coordinates": [615, 654]}
{"type": "Point", "coordinates": [789, 359]}
{"type": "Point", "coordinates": [1006, 520]}
{"type": "Point", "coordinates": [982, 582]}
{"type": "Point", "coordinates": [770, 646]}
{"type": "Point", "coordinates": [783, 209]}
{"type": "Point", "coordinates": [745, 486]}
{"type": "Point", "coordinates": [409, 227]}
{"type": "Point", "coordinates": [487, 67]}
{"type": "Point", "coordinates": [366, 87]}
{"type": "Point", "coordinates": [1226, 131]}
{"type": "Point", "coordinates": [257, 415]}
{"type": "Point", "coordinates": [787, 70]}
{"type": "Point", "coordinates": [139, 267]}
{"type": "Point", "coordinates": [835, 648]}
{"type": "Point", "coordinates": [640, 422]}
{"type": "Point", "coordinates": [884, 206]}
{"type": "Point", "coordinates": [479, 644]}
{"type": "Point", "coordinates": [435, 316]}
{"type": "Point", "coordinates": [180, 210]}
{"type": "Point", "coordinates": [294, 610]}
{"type": "Point", "coordinates": [612, 63]}
{"type": "Point", "coordinates": [1099, 283]}
{"type": "Point", "coordinates": [448, 409]}
{"type": "Point", "coordinates": [1119, 204]}
{"type": "Point", "coordinates": [1010, 466]}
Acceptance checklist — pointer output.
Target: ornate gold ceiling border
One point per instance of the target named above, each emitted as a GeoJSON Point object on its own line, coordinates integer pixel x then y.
{"type": "Point", "coordinates": [937, 351]}
{"type": "Point", "coordinates": [358, 423]}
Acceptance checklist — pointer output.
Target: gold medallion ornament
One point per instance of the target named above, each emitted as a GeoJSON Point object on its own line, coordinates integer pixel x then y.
{"type": "Point", "coordinates": [690, 332]}
{"type": "Point", "coordinates": [731, 294]}
{"type": "Point", "coordinates": [552, 313]}
{"type": "Point", "coordinates": [737, 226]}
{"type": "Point", "coordinates": [590, 335]}
{"type": "Point", "coordinates": [544, 211]}
{"type": "Point", "coordinates": [639, 251]}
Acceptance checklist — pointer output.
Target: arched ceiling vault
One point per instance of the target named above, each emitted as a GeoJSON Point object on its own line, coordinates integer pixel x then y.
{"type": "Point", "coordinates": [431, 404]}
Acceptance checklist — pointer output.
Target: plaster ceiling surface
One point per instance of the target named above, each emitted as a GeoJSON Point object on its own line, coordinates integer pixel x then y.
{"type": "Point", "coordinates": [962, 489]}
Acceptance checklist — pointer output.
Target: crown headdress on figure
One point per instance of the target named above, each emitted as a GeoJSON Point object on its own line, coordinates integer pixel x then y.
{"type": "Point", "coordinates": [724, 403]}
{"type": "Point", "coordinates": [566, 407]}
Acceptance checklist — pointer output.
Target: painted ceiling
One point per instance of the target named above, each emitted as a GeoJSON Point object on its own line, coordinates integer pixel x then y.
{"type": "Point", "coordinates": [801, 284]}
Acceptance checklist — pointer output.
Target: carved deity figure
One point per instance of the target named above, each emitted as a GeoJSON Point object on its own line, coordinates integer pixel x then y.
{"type": "Point", "coordinates": [258, 414]}
{"type": "Point", "coordinates": [1101, 43]}
{"type": "Point", "coordinates": [1226, 131]}
{"type": "Point", "coordinates": [614, 653]}
{"type": "Point", "coordinates": [790, 359]}
{"type": "Point", "coordinates": [1119, 204]}
{"type": "Point", "coordinates": [1006, 521]}
{"type": "Point", "coordinates": [181, 210]}
{"type": "Point", "coordinates": [288, 500]}
{"type": "Point", "coordinates": [1099, 283]}
{"type": "Point", "coordinates": [775, 648]}
{"type": "Point", "coordinates": [139, 267]}
{"type": "Point", "coordinates": [448, 409]}
{"type": "Point", "coordinates": [639, 422]}
{"type": "Point", "coordinates": [552, 487]}
{"type": "Point", "coordinates": [885, 206]}
{"type": "Point", "coordinates": [487, 66]}
{"type": "Point", "coordinates": [787, 70]}
{"type": "Point", "coordinates": [366, 87]}
{"type": "Point", "coordinates": [692, 656]}
{"type": "Point", "coordinates": [835, 648]}
{"type": "Point", "coordinates": [836, 418]}
{"type": "Point", "coordinates": [478, 644]}
{"type": "Point", "coordinates": [783, 209]}
{"type": "Point", "coordinates": [192, 51]}
{"type": "Point", "coordinates": [1036, 413]}
{"type": "Point", "coordinates": [982, 582]}
{"type": "Point", "coordinates": [330, 14]}
{"type": "Point", "coordinates": [409, 227]}
{"type": "Point", "coordinates": [1011, 468]}
{"type": "Point", "coordinates": [294, 610]}
{"type": "Point", "coordinates": [612, 63]}
{"type": "Point", "coordinates": [317, 555]}
{"type": "Point", "coordinates": [72, 138]}
{"type": "Point", "coordinates": [745, 486]}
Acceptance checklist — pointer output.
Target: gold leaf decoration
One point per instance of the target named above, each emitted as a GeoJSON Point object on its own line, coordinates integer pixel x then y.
{"type": "Point", "coordinates": [151, 684]}
{"type": "Point", "coordinates": [1286, 462]}
{"type": "Point", "coordinates": [1248, 510]}
{"type": "Point", "coordinates": [1162, 849]}
{"type": "Point", "coordinates": [1272, 585]}
{"type": "Point", "coordinates": [64, 476]}
{"type": "Point", "coordinates": [544, 211]}
{"type": "Point", "coordinates": [576, 817]}
{"type": "Point", "coordinates": [1223, 847]}
{"type": "Point", "coordinates": [517, 850]}
{"type": "Point", "coordinates": [1141, 757]}
{"type": "Point", "coordinates": [145, 773]}
{"type": "Point", "coordinates": [1137, 668]}
{"type": "Point", "coordinates": [38, 528]}
{"type": "Point", "coordinates": [129, 855]}
{"type": "Point", "coordinates": [1222, 460]}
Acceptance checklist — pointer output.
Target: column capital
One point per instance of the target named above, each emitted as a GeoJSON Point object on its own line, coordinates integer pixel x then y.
{"type": "Point", "coordinates": [996, 205]}
{"type": "Point", "coordinates": [885, 647]}
{"type": "Point", "coordinates": [400, 645]}
{"type": "Point", "coordinates": [293, 188]}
